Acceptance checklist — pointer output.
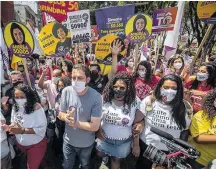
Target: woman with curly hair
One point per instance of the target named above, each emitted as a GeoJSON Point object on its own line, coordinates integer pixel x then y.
{"type": "Point", "coordinates": [144, 80]}
{"type": "Point", "coordinates": [28, 124]}
{"type": "Point", "coordinates": [202, 85]}
{"type": "Point", "coordinates": [61, 32]}
{"type": "Point", "coordinates": [118, 115]}
{"type": "Point", "coordinates": [203, 131]}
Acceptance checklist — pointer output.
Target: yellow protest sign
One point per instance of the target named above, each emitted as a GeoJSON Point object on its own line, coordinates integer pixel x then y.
{"type": "Point", "coordinates": [103, 51]}
{"type": "Point", "coordinates": [18, 39]}
{"type": "Point", "coordinates": [54, 38]}
{"type": "Point", "coordinates": [206, 11]}
{"type": "Point", "coordinates": [138, 28]}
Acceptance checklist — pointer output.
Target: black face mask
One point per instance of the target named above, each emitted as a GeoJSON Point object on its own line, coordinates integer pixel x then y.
{"type": "Point", "coordinates": [119, 94]}
{"type": "Point", "coordinates": [94, 76]}
{"type": "Point", "coordinates": [15, 84]}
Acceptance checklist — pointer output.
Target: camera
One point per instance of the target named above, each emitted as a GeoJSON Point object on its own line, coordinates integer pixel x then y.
{"type": "Point", "coordinates": [179, 152]}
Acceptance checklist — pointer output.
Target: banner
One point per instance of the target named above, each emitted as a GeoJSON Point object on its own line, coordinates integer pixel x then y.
{"type": "Point", "coordinates": [138, 28]}
{"type": "Point", "coordinates": [206, 11]}
{"type": "Point", "coordinates": [113, 20]}
{"type": "Point", "coordinates": [79, 23]}
{"type": "Point", "coordinates": [18, 39]}
{"type": "Point", "coordinates": [55, 40]}
{"type": "Point", "coordinates": [58, 9]}
{"type": "Point", "coordinates": [103, 51]}
{"type": "Point", "coordinates": [48, 19]}
{"type": "Point", "coordinates": [94, 33]}
{"type": "Point", "coordinates": [164, 19]}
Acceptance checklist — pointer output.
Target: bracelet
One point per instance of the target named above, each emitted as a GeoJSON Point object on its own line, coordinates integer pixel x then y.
{"type": "Point", "coordinates": [23, 130]}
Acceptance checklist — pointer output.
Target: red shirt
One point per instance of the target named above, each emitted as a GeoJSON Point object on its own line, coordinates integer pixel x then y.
{"type": "Point", "coordinates": [143, 89]}
{"type": "Point", "coordinates": [197, 101]}
{"type": "Point", "coordinates": [121, 68]}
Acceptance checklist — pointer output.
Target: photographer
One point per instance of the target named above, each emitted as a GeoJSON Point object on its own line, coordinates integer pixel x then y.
{"type": "Point", "coordinates": [167, 113]}
{"type": "Point", "coordinates": [203, 131]}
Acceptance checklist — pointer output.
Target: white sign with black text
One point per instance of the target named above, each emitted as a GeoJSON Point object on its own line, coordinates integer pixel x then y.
{"type": "Point", "coordinates": [79, 24]}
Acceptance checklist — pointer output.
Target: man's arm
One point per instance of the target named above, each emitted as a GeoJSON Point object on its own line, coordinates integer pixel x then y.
{"type": "Point", "coordinates": [90, 126]}
{"type": "Point", "coordinates": [41, 83]}
{"type": "Point", "coordinates": [205, 139]}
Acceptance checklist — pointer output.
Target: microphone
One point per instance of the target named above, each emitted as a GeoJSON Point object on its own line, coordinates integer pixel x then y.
{"type": "Point", "coordinates": [161, 133]}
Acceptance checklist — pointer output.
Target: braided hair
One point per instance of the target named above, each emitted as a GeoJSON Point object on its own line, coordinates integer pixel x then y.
{"type": "Point", "coordinates": [130, 97]}
{"type": "Point", "coordinates": [31, 97]}
{"type": "Point", "coordinates": [208, 106]}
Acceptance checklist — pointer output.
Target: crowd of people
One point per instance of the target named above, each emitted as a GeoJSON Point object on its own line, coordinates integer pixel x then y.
{"type": "Point", "coordinates": [72, 105]}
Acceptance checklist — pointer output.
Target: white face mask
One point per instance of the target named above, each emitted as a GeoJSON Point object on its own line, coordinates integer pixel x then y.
{"type": "Point", "coordinates": [131, 64]}
{"type": "Point", "coordinates": [169, 94]}
{"type": "Point", "coordinates": [177, 65]}
{"type": "Point", "coordinates": [64, 68]}
{"type": "Point", "coordinates": [202, 76]}
{"type": "Point", "coordinates": [78, 86]}
{"type": "Point", "coordinates": [21, 102]}
{"type": "Point", "coordinates": [55, 80]}
{"type": "Point", "coordinates": [141, 73]}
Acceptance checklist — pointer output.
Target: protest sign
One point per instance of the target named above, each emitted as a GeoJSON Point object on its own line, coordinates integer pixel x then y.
{"type": "Point", "coordinates": [206, 11]}
{"type": "Point", "coordinates": [58, 9]}
{"type": "Point", "coordinates": [103, 51]}
{"type": "Point", "coordinates": [164, 19]}
{"type": "Point", "coordinates": [94, 33]}
{"type": "Point", "coordinates": [54, 39]}
{"type": "Point", "coordinates": [79, 23]}
{"type": "Point", "coordinates": [48, 19]}
{"type": "Point", "coordinates": [18, 39]}
{"type": "Point", "coordinates": [113, 20]}
{"type": "Point", "coordinates": [138, 28]}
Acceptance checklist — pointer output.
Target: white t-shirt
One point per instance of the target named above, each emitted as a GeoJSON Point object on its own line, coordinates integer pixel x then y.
{"type": "Point", "coordinates": [116, 122]}
{"type": "Point", "coordinates": [36, 120]}
{"type": "Point", "coordinates": [4, 143]}
{"type": "Point", "coordinates": [160, 117]}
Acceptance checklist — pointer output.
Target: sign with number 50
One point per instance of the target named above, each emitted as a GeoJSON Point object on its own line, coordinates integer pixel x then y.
{"type": "Point", "coordinates": [79, 25]}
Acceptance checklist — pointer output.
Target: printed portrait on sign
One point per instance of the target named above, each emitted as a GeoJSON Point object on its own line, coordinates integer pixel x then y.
{"type": "Point", "coordinates": [61, 32]}
{"type": "Point", "coordinates": [138, 28]}
{"type": "Point", "coordinates": [18, 39]}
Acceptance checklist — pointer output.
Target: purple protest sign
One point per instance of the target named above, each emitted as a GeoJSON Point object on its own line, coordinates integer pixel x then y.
{"type": "Point", "coordinates": [113, 20]}
{"type": "Point", "coordinates": [164, 19]}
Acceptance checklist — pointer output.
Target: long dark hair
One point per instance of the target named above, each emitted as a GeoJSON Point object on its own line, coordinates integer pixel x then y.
{"type": "Point", "coordinates": [130, 97]}
{"type": "Point", "coordinates": [178, 106]}
{"type": "Point", "coordinates": [31, 97]}
{"type": "Point", "coordinates": [208, 106]}
{"type": "Point", "coordinates": [211, 78]}
{"type": "Point", "coordinates": [148, 67]}
{"type": "Point", "coordinates": [135, 20]}
{"type": "Point", "coordinates": [16, 26]}
{"type": "Point", "coordinates": [69, 65]}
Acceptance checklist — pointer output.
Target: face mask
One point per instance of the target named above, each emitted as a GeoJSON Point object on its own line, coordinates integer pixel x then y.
{"type": "Point", "coordinates": [202, 76]}
{"type": "Point", "coordinates": [131, 64]}
{"type": "Point", "coordinates": [78, 86]}
{"type": "Point", "coordinates": [15, 84]}
{"type": "Point", "coordinates": [142, 73]}
{"type": "Point", "coordinates": [55, 80]}
{"type": "Point", "coordinates": [94, 75]}
{"type": "Point", "coordinates": [60, 89]}
{"type": "Point", "coordinates": [119, 94]}
{"type": "Point", "coordinates": [21, 102]}
{"type": "Point", "coordinates": [64, 68]}
{"type": "Point", "coordinates": [177, 65]}
{"type": "Point", "coordinates": [169, 94]}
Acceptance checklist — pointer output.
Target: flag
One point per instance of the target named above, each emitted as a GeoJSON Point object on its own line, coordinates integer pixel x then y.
{"type": "Point", "coordinates": [170, 44]}
{"type": "Point", "coordinates": [37, 48]}
{"type": "Point", "coordinates": [4, 58]}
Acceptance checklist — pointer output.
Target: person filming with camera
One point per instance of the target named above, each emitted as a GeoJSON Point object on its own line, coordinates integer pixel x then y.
{"type": "Point", "coordinates": [167, 112]}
